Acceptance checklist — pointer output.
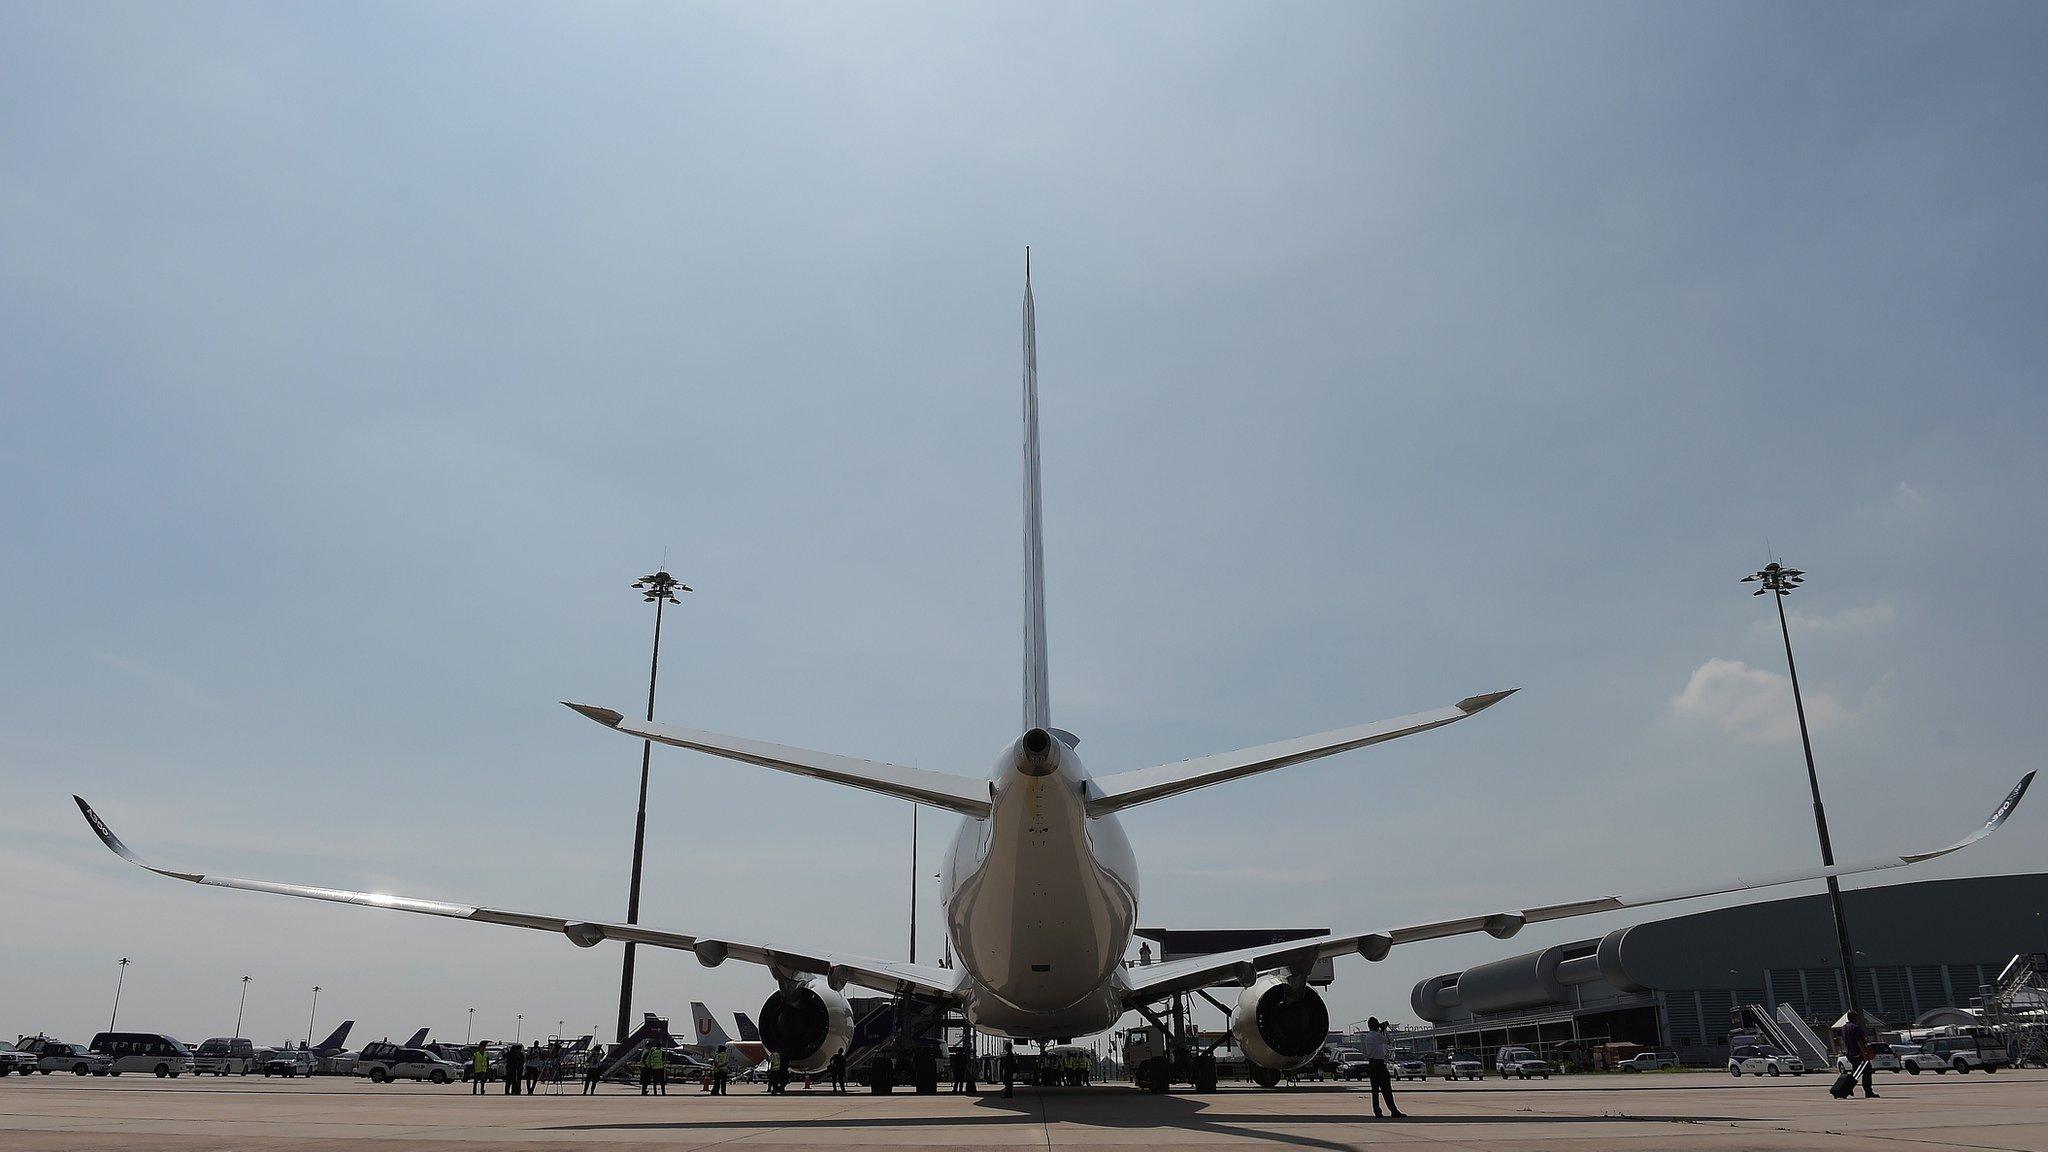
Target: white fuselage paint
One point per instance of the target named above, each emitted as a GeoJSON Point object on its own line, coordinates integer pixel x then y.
{"type": "Point", "coordinates": [1040, 901]}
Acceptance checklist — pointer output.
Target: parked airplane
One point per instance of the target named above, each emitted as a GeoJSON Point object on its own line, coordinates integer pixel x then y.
{"type": "Point", "coordinates": [710, 1037]}
{"type": "Point", "coordinates": [1040, 887]}
{"type": "Point", "coordinates": [333, 1044]}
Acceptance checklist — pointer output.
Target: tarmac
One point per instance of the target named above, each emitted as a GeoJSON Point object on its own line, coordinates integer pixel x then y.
{"type": "Point", "coordinates": [1693, 1112]}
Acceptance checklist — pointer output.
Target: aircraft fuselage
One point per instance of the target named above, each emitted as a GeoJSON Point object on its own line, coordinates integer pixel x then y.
{"type": "Point", "coordinates": [1040, 901]}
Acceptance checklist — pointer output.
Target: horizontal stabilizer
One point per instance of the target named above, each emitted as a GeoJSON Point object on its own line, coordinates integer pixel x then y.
{"type": "Point", "coordinates": [963, 794]}
{"type": "Point", "coordinates": [1122, 790]}
{"type": "Point", "coordinates": [1155, 982]}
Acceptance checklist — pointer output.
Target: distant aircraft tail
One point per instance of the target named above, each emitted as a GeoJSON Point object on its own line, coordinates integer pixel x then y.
{"type": "Point", "coordinates": [419, 1038]}
{"type": "Point", "coordinates": [339, 1037]}
{"type": "Point", "coordinates": [708, 1031]}
{"type": "Point", "coordinates": [748, 1031]}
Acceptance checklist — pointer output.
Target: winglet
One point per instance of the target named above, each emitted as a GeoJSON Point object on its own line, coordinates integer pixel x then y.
{"type": "Point", "coordinates": [1998, 817]}
{"type": "Point", "coordinates": [1472, 704]}
{"type": "Point", "coordinates": [114, 844]}
{"type": "Point", "coordinates": [604, 716]}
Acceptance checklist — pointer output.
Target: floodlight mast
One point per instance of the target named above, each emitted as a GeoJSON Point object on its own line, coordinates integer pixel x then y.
{"type": "Point", "coordinates": [657, 588]}
{"type": "Point", "coordinates": [1780, 582]}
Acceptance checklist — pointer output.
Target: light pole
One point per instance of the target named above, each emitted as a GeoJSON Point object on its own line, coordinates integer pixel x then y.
{"type": "Point", "coordinates": [469, 1029]}
{"type": "Point", "coordinates": [1781, 581]}
{"type": "Point", "coordinates": [310, 1015]}
{"type": "Point", "coordinates": [657, 588]}
{"type": "Point", "coordinates": [118, 981]}
{"type": "Point", "coordinates": [520, 1033]}
{"type": "Point", "coordinates": [239, 1007]}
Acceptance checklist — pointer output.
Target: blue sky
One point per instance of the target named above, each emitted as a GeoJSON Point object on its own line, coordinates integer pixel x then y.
{"type": "Point", "coordinates": [354, 360]}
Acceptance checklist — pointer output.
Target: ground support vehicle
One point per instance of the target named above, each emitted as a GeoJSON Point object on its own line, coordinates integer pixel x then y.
{"type": "Point", "coordinates": [1651, 1061]}
{"type": "Point", "coordinates": [1352, 1070]}
{"type": "Point", "coordinates": [1522, 1062]}
{"type": "Point", "coordinates": [384, 1062]}
{"type": "Point", "coordinates": [288, 1063]}
{"type": "Point", "coordinates": [1464, 1066]}
{"type": "Point", "coordinates": [1408, 1069]}
{"type": "Point", "coordinates": [76, 1059]}
{"type": "Point", "coordinates": [1760, 1060]}
{"type": "Point", "coordinates": [151, 1052]}
{"type": "Point", "coordinates": [225, 1056]}
{"type": "Point", "coordinates": [13, 1059]}
{"type": "Point", "coordinates": [1962, 1054]}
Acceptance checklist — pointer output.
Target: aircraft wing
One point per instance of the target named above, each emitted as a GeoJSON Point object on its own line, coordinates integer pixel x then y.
{"type": "Point", "coordinates": [881, 975]}
{"type": "Point", "coordinates": [1121, 790]}
{"type": "Point", "coordinates": [1157, 981]}
{"type": "Point", "coordinates": [966, 795]}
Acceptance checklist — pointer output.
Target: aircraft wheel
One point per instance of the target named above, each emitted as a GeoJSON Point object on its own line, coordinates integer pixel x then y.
{"type": "Point", "coordinates": [1265, 1077]}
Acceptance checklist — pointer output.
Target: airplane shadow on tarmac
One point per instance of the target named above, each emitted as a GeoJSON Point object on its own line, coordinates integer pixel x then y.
{"type": "Point", "coordinates": [1126, 1108]}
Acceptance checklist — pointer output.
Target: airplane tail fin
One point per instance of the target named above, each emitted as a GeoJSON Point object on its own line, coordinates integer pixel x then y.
{"type": "Point", "coordinates": [1037, 705]}
{"type": "Point", "coordinates": [418, 1038]}
{"type": "Point", "coordinates": [708, 1031]}
{"type": "Point", "coordinates": [748, 1031]}
{"type": "Point", "coordinates": [336, 1039]}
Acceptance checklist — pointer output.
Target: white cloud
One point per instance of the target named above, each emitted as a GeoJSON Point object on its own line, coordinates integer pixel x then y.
{"type": "Point", "coordinates": [1753, 705]}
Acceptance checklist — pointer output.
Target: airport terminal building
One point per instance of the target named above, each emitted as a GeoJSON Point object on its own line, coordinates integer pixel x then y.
{"type": "Point", "coordinates": [1678, 983]}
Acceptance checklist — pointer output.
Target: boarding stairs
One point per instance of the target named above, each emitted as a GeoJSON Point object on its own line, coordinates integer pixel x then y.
{"type": "Point", "coordinates": [1771, 1027]}
{"type": "Point", "coordinates": [653, 1030]}
{"type": "Point", "coordinates": [2018, 1007]}
{"type": "Point", "coordinates": [898, 1023]}
{"type": "Point", "coordinates": [1807, 1044]}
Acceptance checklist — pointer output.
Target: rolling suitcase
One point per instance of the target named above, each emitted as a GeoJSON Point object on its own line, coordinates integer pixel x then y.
{"type": "Point", "coordinates": [1845, 1084]}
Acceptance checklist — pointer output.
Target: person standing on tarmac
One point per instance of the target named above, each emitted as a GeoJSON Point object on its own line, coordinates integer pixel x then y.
{"type": "Point", "coordinates": [593, 1064]}
{"type": "Point", "coordinates": [839, 1072]}
{"type": "Point", "coordinates": [532, 1068]}
{"type": "Point", "coordinates": [479, 1070]}
{"type": "Point", "coordinates": [1009, 1070]}
{"type": "Point", "coordinates": [1378, 1050]}
{"type": "Point", "coordinates": [720, 1064]}
{"type": "Point", "coordinates": [959, 1069]}
{"type": "Point", "coordinates": [515, 1068]}
{"type": "Point", "coordinates": [657, 1059]}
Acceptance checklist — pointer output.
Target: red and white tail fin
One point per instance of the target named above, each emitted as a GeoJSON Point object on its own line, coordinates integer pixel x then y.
{"type": "Point", "coordinates": [706, 1025]}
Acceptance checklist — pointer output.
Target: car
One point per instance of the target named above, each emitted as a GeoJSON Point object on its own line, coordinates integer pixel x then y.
{"type": "Point", "coordinates": [289, 1062]}
{"type": "Point", "coordinates": [1353, 1070]}
{"type": "Point", "coordinates": [76, 1059]}
{"type": "Point", "coordinates": [1463, 1066]}
{"type": "Point", "coordinates": [1521, 1062]}
{"type": "Point", "coordinates": [1958, 1053]}
{"type": "Point", "coordinates": [151, 1052]}
{"type": "Point", "coordinates": [1409, 1069]}
{"type": "Point", "coordinates": [1763, 1060]}
{"type": "Point", "coordinates": [384, 1062]}
{"type": "Point", "coordinates": [225, 1055]}
{"type": "Point", "coordinates": [1885, 1059]}
{"type": "Point", "coordinates": [13, 1059]}
{"type": "Point", "coordinates": [1651, 1061]}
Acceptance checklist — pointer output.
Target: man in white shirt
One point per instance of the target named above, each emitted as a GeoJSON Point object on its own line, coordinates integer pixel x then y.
{"type": "Point", "coordinates": [1379, 1049]}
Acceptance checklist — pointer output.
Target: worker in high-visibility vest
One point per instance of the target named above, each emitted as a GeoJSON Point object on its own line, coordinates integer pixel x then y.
{"type": "Point", "coordinates": [720, 1065]}
{"type": "Point", "coordinates": [652, 1060]}
{"type": "Point", "coordinates": [479, 1070]}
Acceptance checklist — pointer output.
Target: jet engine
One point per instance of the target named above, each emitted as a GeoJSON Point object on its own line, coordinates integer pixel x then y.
{"type": "Point", "coordinates": [1278, 1027]}
{"type": "Point", "coordinates": [807, 1023]}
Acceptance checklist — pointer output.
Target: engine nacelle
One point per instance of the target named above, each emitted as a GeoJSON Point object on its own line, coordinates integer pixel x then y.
{"type": "Point", "coordinates": [807, 1025]}
{"type": "Point", "coordinates": [1277, 1027]}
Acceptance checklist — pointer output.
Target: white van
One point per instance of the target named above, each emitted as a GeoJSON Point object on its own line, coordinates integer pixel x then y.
{"type": "Point", "coordinates": [225, 1056]}
{"type": "Point", "coordinates": [151, 1052]}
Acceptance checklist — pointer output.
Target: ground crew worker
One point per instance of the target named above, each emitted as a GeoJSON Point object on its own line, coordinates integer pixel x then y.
{"type": "Point", "coordinates": [838, 1066]}
{"type": "Point", "coordinates": [515, 1067]}
{"type": "Point", "coordinates": [778, 1074]}
{"type": "Point", "coordinates": [1009, 1070]}
{"type": "Point", "coordinates": [959, 1068]}
{"type": "Point", "coordinates": [720, 1063]}
{"type": "Point", "coordinates": [657, 1063]}
{"type": "Point", "coordinates": [479, 1070]}
{"type": "Point", "coordinates": [593, 1065]}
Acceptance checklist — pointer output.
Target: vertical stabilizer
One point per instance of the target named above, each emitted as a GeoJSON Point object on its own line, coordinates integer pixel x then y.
{"type": "Point", "coordinates": [1037, 703]}
{"type": "Point", "coordinates": [708, 1032]}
